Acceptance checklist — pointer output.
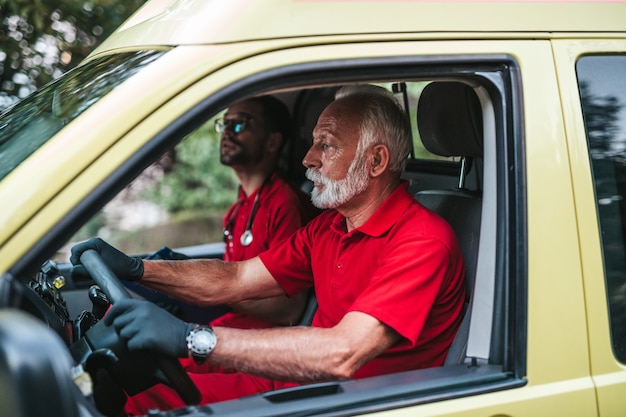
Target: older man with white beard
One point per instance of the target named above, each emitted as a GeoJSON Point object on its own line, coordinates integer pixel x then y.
{"type": "Point", "coordinates": [387, 272]}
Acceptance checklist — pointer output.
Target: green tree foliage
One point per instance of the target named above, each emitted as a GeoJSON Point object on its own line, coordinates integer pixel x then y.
{"type": "Point", "coordinates": [41, 39]}
{"type": "Point", "coordinates": [188, 182]}
{"type": "Point", "coordinates": [197, 182]}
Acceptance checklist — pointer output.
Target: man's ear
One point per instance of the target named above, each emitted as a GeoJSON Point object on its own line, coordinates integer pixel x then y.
{"type": "Point", "coordinates": [380, 160]}
{"type": "Point", "coordinates": [274, 142]}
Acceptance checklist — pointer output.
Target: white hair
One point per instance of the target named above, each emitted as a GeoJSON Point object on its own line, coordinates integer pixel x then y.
{"type": "Point", "coordinates": [384, 121]}
{"type": "Point", "coordinates": [365, 89]}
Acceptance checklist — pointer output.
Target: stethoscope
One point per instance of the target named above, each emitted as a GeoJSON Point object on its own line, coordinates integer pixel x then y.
{"type": "Point", "coordinates": [246, 237]}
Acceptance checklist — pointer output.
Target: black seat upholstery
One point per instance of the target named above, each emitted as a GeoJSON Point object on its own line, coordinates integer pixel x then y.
{"type": "Point", "coordinates": [449, 119]}
{"type": "Point", "coordinates": [462, 210]}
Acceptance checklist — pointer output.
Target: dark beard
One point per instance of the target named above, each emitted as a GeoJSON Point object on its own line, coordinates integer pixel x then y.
{"type": "Point", "coordinates": [240, 158]}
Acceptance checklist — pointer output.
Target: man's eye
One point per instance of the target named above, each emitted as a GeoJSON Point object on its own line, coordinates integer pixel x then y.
{"type": "Point", "coordinates": [237, 126]}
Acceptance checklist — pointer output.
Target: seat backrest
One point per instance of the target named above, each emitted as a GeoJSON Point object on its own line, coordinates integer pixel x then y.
{"type": "Point", "coordinates": [449, 119]}
{"type": "Point", "coordinates": [462, 210]}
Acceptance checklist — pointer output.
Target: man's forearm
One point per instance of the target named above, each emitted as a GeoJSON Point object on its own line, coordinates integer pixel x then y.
{"type": "Point", "coordinates": [192, 281]}
{"type": "Point", "coordinates": [304, 354]}
{"type": "Point", "coordinates": [210, 281]}
{"type": "Point", "coordinates": [295, 354]}
{"type": "Point", "coordinates": [281, 310]}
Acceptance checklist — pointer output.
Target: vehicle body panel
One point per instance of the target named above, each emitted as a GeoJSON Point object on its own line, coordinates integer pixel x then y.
{"type": "Point", "coordinates": [608, 374]}
{"type": "Point", "coordinates": [218, 22]}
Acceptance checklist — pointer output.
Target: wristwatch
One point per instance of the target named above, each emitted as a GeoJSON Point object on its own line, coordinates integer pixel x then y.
{"type": "Point", "coordinates": [201, 341]}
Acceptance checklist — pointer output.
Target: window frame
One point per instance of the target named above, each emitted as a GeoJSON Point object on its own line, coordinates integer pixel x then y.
{"type": "Point", "coordinates": [618, 347]}
{"type": "Point", "coordinates": [506, 368]}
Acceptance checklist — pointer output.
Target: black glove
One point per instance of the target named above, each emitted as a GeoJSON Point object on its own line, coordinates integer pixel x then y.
{"type": "Point", "coordinates": [144, 325]}
{"type": "Point", "coordinates": [123, 266]}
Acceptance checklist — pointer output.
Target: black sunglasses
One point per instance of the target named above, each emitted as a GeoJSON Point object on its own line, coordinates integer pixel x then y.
{"type": "Point", "coordinates": [235, 125]}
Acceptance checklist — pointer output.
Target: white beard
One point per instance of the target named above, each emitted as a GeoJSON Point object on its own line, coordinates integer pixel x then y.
{"type": "Point", "coordinates": [335, 193]}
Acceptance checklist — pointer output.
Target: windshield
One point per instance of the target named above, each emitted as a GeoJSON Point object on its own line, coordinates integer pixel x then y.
{"type": "Point", "coordinates": [30, 123]}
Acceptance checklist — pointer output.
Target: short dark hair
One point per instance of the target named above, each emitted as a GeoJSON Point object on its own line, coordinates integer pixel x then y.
{"type": "Point", "coordinates": [276, 115]}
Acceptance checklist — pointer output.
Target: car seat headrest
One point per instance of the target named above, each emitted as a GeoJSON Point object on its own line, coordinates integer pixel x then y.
{"type": "Point", "coordinates": [449, 119]}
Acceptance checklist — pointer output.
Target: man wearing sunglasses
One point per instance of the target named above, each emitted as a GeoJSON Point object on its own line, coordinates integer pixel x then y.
{"type": "Point", "coordinates": [388, 274]}
{"type": "Point", "coordinates": [268, 210]}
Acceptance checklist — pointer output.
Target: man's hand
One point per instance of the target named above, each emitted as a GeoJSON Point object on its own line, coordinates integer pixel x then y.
{"type": "Point", "coordinates": [123, 266]}
{"type": "Point", "coordinates": [144, 325]}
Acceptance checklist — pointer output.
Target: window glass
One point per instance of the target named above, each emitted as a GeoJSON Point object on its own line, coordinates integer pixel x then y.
{"type": "Point", "coordinates": [410, 99]}
{"type": "Point", "coordinates": [178, 201]}
{"type": "Point", "coordinates": [602, 84]}
{"type": "Point", "coordinates": [29, 124]}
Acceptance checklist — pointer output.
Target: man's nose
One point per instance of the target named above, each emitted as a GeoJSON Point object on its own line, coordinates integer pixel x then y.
{"type": "Point", "coordinates": [311, 160]}
{"type": "Point", "coordinates": [227, 133]}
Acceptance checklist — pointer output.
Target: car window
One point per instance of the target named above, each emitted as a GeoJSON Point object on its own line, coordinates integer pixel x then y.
{"type": "Point", "coordinates": [178, 201]}
{"type": "Point", "coordinates": [602, 84]}
{"type": "Point", "coordinates": [29, 124]}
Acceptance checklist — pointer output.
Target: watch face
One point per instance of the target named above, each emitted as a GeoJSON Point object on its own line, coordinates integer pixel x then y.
{"type": "Point", "coordinates": [202, 341]}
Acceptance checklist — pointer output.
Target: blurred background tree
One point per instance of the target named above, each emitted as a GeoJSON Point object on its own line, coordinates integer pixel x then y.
{"type": "Point", "coordinates": [178, 201]}
{"type": "Point", "coordinates": [42, 39]}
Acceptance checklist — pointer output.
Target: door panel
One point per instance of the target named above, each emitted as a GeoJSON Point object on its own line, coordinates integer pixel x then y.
{"type": "Point", "coordinates": [592, 81]}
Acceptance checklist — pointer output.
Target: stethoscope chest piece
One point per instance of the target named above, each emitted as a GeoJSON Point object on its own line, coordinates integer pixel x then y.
{"type": "Point", "coordinates": [246, 238]}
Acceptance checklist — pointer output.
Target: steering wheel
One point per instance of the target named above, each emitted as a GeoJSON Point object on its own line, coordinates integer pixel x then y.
{"type": "Point", "coordinates": [167, 369]}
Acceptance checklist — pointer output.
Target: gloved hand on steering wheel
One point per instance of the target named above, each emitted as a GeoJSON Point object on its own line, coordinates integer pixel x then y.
{"type": "Point", "coordinates": [144, 325]}
{"type": "Point", "coordinates": [125, 267]}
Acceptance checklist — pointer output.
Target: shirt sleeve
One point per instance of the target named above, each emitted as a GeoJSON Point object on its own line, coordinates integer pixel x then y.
{"type": "Point", "coordinates": [290, 261]}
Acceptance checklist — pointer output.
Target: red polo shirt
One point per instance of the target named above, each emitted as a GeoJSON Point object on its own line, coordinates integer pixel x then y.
{"type": "Point", "coordinates": [279, 212]}
{"type": "Point", "coordinates": [277, 216]}
{"type": "Point", "coordinates": [403, 267]}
